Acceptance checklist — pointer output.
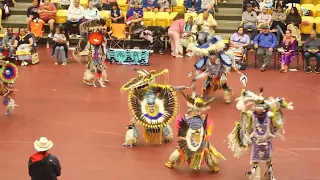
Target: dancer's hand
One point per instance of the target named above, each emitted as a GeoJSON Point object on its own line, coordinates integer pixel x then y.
{"type": "Point", "coordinates": [289, 106]}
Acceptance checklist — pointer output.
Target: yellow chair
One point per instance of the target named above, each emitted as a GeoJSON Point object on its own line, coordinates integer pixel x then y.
{"type": "Point", "coordinates": [148, 18]}
{"type": "Point", "coordinates": [162, 19]}
{"type": "Point", "coordinates": [123, 5]}
{"type": "Point", "coordinates": [316, 1]}
{"type": "Point", "coordinates": [118, 30]}
{"type": "Point", "coordinates": [0, 18]}
{"type": "Point", "coordinates": [179, 7]}
{"type": "Point", "coordinates": [307, 1]}
{"type": "Point", "coordinates": [124, 15]}
{"type": "Point", "coordinates": [307, 28]}
{"type": "Point", "coordinates": [84, 3]}
{"type": "Point", "coordinates": [317, 10]}
{"type": "Point", "coordinates": [187, 15]}
{"type": "Point", "coordinates": [61, 16]}
{"type": "Point", "coordinates": [106, 16]}
{"type": "Point", "coordinates": [171, 17]}
{"type": "Point", "coordinates": [310, 7]}
{"type": "Point", "coordinates": [317, 22]}
{"type": "Point", "coordinates": [201, 15]}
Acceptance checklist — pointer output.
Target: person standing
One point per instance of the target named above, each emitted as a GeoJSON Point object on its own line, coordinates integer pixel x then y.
{"type": "Point", "coordinates": [175, 32]}
{"type": "Point", "coordinates": [311, 50]}
{"type": "Point", "coordinates": [43, 165]}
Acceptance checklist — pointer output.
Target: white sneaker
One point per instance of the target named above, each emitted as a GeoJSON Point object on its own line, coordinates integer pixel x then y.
{"type": "Point", "coordinates": [64, 63]}
{"type": "Point", "coordinates": [50, 35]}
{"type": "Point", "coordinates": [55, 63]}
{"type": "Point", "coordinates": [178, 56]}
{"type": "Point", "coordinates": [173, 54]}
{"type": "Point", "coordinates": [25, 63]}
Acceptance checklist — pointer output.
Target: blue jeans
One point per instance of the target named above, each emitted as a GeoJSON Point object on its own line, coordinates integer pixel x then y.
{"type": "Point", "coordinates": [204, 37]}
{"type": "Point", "coordinates": [253, 27]}
{"type": "Point", "coordinates": [10, 49]}
{"type": "Point", "coordinates": [62, 52]}
{"type": "Point", "coordinates": [307, 56]}
{"type": "Point", "coordinates": [211, 11]}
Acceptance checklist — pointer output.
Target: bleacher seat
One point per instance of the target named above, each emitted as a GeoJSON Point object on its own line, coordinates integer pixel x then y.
{"type": "Point", "coordinates": [84, 3]}
{"type": "Point", "coordinates": [162, 19]}
{"type": "Point", "coordinates": [318, 10]}
{"type": "Point", "coordinates": [106, 15]}
{"type": "Point", "coordinates": [171, 17]}
{"type": "Point", "coordinates": [187, 15]}
{"type": "Point", "coordinates": [0, 18]}
{"type": "Point", "coordinates": [310, 7]}
{"type": "Point", "coordinates": [148, 18]}
{"type": "Point", "coordinates": [307, 28]}
{"type": "Point", "coordinates": [307, 1]}
{"type": "Point", "coordinates": [317, 22]}
{"type": "Point", "coordinates": [179, 7]}
{"type": "Point", "coordinates": [123, 5]}
{"type": "Point", "coordinates": [316, 2]}
{"type": "Point", "coordinates": [61, 16]}
{"type": "Point", "coordinates": [124, 15]}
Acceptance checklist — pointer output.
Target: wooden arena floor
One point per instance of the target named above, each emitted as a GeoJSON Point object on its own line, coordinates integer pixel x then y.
{"type": "Point", "coordinates": [87, 125]}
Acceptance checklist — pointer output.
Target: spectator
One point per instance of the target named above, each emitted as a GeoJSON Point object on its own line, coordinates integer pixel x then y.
{"type": "Point", "coordinates": [91, 12]}
{"type": "Point", "coordinates": [132, 2]}
{"type": "Point", "coordinates": [107, 4]}
{"type": "Point", "coordinates": [249, 20]}
{"type": "Point", "coordinates": [7, 42]}
{"type": "Point", "coordinates": [287, 50]}
{"type": "Point", "coordinates": [74, 18]}
{"type": "Point", "coordinates": [32, 13]}
{"type": "Point", "coordinates": [116, 14]}
{"type": "Point", "coordinates": [239, 42]}
{"type": "Point", "coordinates": [47, 13]}
{"type": "Point", "coordinates": [189, 36]}
{"type": "Point", "coordinates": [311, 50]}
{"type": "Point", "coordinates": [65, 4]}
{"type": "Point", "coordinates": [294, 17]}
{"type": "Point", "coordinates": [281, 3]}
{"type": "Point", "coordinates": [206, 26]}
{"type": "Point", "coordinates": [24, 44]}
{"type": "Point", "coordinates": [165, 5]}
{"type": "Point", "coordinates": [264, 18]}
{"type": "Point", "coordinates": [60, 39]}
{"type": "Point", "coordinates": [192, 5]}
{"type": "Point", "coordinates": [265, 43]}
{"type": "Point", "coordinates": [96, 3]}
{"type": "Point", "coordinates": [278, 22]}
{"type": "Point", "coordinates": [254, 3]}
{"type": "Point", "coordinates": [175, 32]}
{"type": "Point", "coordinates": [42, 165]}
{"type": "Point", "coordinates": [134, 16]}
{"type": "Point", "coordinates": [207, 6]}
{"type": "Point", "coordinates": [150, 5]}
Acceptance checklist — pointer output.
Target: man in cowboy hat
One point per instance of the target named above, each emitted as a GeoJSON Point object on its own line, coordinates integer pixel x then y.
{"type": "Point", "coordinates": [43, 165]}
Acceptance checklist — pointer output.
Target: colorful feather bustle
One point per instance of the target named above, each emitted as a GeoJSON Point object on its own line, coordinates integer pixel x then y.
{"type": "Point", "coordinates": [9, 72]}
{"type": "Point", "coordinates": [209, 125]}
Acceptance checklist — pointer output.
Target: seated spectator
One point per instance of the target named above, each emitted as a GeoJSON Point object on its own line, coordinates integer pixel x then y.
{"type": "Point", "coordinates": [74, 18]}
{"type": "Point", "coordinates": [32, 13]}
{"type": "Point", "coordinates": [134, 16]}
{"type": "Point", "coordinates": [189, 36]}
{"type": "Point", "coordinates": [24, 45]}
{"type": "Point", "coordinates": [207, 6]}
{"type": "Point", "coordinates": [287, 50]}
{"type": "Point", "coordinates": [91, 12]}
{"type": "Point", "coordinates": [43, 165]}
{"type": "Point", "coordinates": [150, 5]}
{"type": "Point", "coordinates": [206, 26]}
{"type": "Point", "coordinates": [165, 5]}
{"type": "Point", "coordinates": [7, 42]}
{"type": "Point", "coordinates": [47, 14]}
{"type": "Point", "coordinates": [132, 2]}
{"type": "Point", "coordinates": [266, 3]}
{"type": "Point", "coordinates": [65, 4]}
{"type": "Point", "coordinates": [264, 18]}
{"type": "Point", "coordinates": [116, 14]}
{"type": "Point", "coordinates": [175, 32]}
{"type": "Point", "coordinates": [281, 3]}
{"type": "Point", "coordinates": [107, 4]}
{"type": "Point", "coordinates": [239, 42]}
{"type": "Point", "coordinates": [294, 17]}
{"type": "Point", "coordinates": [265, 43]}
{"type": "Point", "coordinates": [61, 40]}
{"type": "Point", "coordinates": [5, 9]}
{"type": "Point", "coordinates": [254, 3]}
{"type": "Point", "coordinates": [278, 22]}
{"type": "Point", "coordinates": [311, 50]}
{"type": "Point", "coordinates": [249, 20]}
{"type": "Point", "coordinates": [192, 5]}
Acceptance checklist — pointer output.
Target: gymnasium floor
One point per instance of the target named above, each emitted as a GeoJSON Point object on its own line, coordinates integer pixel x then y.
{"type": "Point", "coordinates": [87, 125]}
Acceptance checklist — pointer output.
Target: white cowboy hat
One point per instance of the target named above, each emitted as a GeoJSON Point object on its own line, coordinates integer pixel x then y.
{"type": "Point", "coordinates": [43, 144]}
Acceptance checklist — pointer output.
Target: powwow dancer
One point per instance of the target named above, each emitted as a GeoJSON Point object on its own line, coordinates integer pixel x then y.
{"type": "Point", "coordinates": [256, 129]}
{"type": "Point", "coordinates": [96, 57]}
{"type": "Point", "coordinates": [8, 74]}
{"type": "Point", "coordinates": [194, 131]}
{"type": "Point", "coordinates": [214, 64]}
{"type": "Point", "coordinates": [153, 106]}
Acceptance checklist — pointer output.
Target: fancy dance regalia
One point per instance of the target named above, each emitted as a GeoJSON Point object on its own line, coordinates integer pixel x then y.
{"type": "Point", "coordinates": [214, 64]}
{"type": "Point", "coordinates": [256, 130]}
{"type": "Point", "coordinates": [194, 131]}
{"type": "Point", "coordinates": [153, 106]}
{"type": "Point", "coordinates": [8, 74]}
{"type": "Point", "coordinates": [96, 57]}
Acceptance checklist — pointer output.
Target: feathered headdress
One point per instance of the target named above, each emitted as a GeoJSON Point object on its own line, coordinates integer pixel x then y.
{"type": "Point", "coordinates": [144, 79]}
{"type": "Point", "coordinates": [197, 103]}
{"type": "Point", "coordinates": [216, 44]}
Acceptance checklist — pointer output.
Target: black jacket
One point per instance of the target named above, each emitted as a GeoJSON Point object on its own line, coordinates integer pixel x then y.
{"type": "Point", "coordinates": [44, 166]}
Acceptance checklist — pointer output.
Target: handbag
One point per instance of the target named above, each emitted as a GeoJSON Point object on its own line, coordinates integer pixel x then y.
{"type": "Point", "coordinates": [35, 58]}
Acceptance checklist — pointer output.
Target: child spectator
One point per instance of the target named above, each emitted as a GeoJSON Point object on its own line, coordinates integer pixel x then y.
{"type": "Point", "coordinates": [116, 14]}
{"type": "Point", "coordinates": [175, 32]}
{"type": "Point", "coordinates": [61, 40]}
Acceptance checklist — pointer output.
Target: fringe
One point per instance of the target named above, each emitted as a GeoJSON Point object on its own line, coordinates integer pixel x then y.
{"type": "Point", "coordinates": [153, 138]}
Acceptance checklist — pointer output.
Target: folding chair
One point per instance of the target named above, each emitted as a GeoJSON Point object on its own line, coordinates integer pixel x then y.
{"type": "Point", "coordinates": [61, 16]}
{"type": "Point", "coordinates": [123, 5]}
{"type": "Point", "coordinates": [120, 34]}
{"type": "Point", "coordinates": [148, 18]}
{"type": "Point", "coordinates": [179, 7]}
{"type": "Point", "coordinates": [297, 57]}
{"type": "Point", "coordinates": [106, 16]}
{"type": "Point", "coordinates": [162, 19]}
